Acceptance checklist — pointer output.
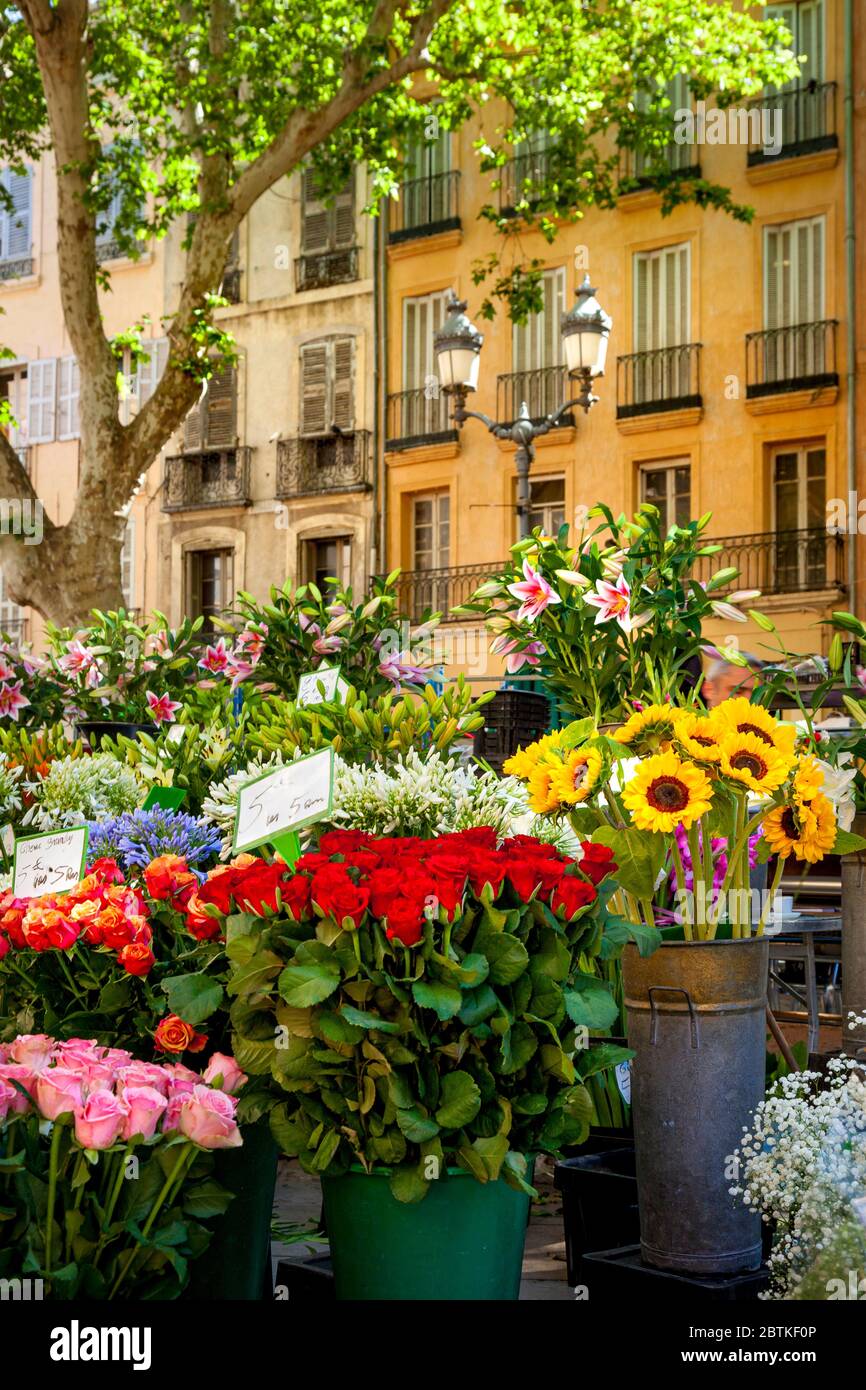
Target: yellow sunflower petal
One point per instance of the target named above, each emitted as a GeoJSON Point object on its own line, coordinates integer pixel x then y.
{"type": "Point", "coordinates": [666, 792]}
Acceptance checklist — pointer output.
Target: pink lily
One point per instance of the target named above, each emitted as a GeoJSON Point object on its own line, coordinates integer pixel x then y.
{"type": "Point", "coordinates": [515, 656]}
{"type": "Point", "coordinates": [11, 700]}
{"type": "Point", "coordinates": [7, 670]}
{"type": "Point", "coordinates": [613, 602]}
{"type": "Point", "coordinates": [401, 672]}
{"type": "Point", "coordinates": [325, 645]}
{"type": "Point", "coordinates": [162, 709]}
{"type": "Point", "coordinates": [534, 592]}
{"type": "Point", "coordinates": [252, 642]}
{"type": "Point", "coordinates": [77, 658]}
{"type": "Point", "coordinates": [239, 670]}
{"type": "Point", "coordinates": [216, 658]}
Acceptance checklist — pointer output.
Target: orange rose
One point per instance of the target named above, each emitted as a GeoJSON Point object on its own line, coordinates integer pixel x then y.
{"type": "Point", "coordinates": [173, 1035]}
{"type": "Point", "coordinates": [168, 875]}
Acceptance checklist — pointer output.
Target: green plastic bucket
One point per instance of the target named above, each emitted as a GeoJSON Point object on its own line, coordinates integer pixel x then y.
{"type": "Point", "coordinates": [463, 1242]}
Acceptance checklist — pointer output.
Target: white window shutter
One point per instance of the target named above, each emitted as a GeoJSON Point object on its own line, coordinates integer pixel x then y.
{"type": "Point", "coordinates": [314, 389]}
{"type": "Point", "coordinates": [42, 400]}
{"type": "Point", "coordinates": [68, 424]}
{"type": "Point", "coordinates": [150, 370]}
{"type": "Point", "coordinates": [16, 222]}
{"type": "Point", "coordinates": [127, 565]}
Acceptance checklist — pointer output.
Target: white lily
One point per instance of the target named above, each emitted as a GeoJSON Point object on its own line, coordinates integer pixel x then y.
{"type": "Point", "coordinates": [837, 788]}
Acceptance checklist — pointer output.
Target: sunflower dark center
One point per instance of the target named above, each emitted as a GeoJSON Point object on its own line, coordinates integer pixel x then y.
{"type": "Point", "coordinates": [751, 763]}
{"type": "Point", "coordinates": [753, 729]}
{"type": "Point", "coordinates": [581, 772]}
{"type": "Point", "coordinates": [704, 740]}
{"type": "Point", "coordinates": [668, 794]}
{"type": "Point", "coordinates": [788, 824]}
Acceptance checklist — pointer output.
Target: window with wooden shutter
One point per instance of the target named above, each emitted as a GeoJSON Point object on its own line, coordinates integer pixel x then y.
{"type": "Point", "coordinates": [794, 273]}
{"type": "Point", "coordinates": [16, 216]}
{"type": "Point", "coordinates": [538, 342]}
{"type": "Point", "coordinates": [42, 400]}
{"type": "Point", "coordinates": [212, 422]}
{"type": "Point", "coordinates": [661, 298]}
{"type": "Point", "coordinates": [68, 424]}
{"type": "Point", "coordinates": [326, 224]}
{"type": "Point", "coordinates": [127, 565]}
{"type": "Point", "coordinates": [327, 386]}
{"type": "Point", "coordinates": [13, 390]}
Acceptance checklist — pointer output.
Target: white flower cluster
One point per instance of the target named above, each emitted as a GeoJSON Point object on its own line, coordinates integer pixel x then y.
{"type": "Point", "coordinates": [75, 790]}
{"type": "Point", "coordinates": [803, 1165]}
{"type": "Point", "coordinates": [10, 789]}
{"type": "Point", "coordinates": [417, 795]}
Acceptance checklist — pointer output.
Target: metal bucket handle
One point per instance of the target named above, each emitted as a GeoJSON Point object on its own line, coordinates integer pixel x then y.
{"type": "Point", "coordinates": [693, 1018]}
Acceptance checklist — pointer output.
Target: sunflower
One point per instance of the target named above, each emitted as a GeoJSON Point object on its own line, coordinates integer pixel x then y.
{"type": "Point", "coordinates": [543, 796]}
{"type": "Point", "coordinates": [699, 737]}
{"type": "Point", "coordinates": [666, 792]}
{"type": "Point", "coordinates": [806, 829]}
{"type": "Point", "coordinates": [575, 778]}
{"type": "Point", "coordinates": [755, 763]}
{"type": "Point", "coordinates": [738, 715]}
{"type": "Point", "coordinates": [650, 729]}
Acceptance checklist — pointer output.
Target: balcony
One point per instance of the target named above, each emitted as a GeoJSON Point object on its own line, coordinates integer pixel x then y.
{"type": "Point", "coordinates": [800, 357]}
{"type": "Point", "coordinates": [336, 463]}
{"type": "Point", "coordinates": [523, 177]}
{"type": "Point", "coordinates": [780, 562]}
{"type": "Point", "coordinates": [208, 478]}
{"type": "Point", "coordinates": [638, 168]}
{"type": "Point", "coordinates": [439, 590]}
{"type": "Point", "coordinates": [426, 206]}
{"type": "Point", "coordinates": [16, 268]}
{"type": "Point", "coordinates": [544, 389]}
{"type": "Point", "coordinates": [415, 418]}
{"type": "Point", "coordinates": [662, 379]}
{"type": "Point", "coordinates": [17, 630]}
{"type": "Point", "coordinates": [803, 121]}
{"type": "Point", "coordinates": [321, 269]}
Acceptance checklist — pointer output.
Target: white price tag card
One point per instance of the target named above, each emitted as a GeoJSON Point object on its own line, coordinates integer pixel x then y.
{"type": "Point", "coordinates": [287, 798]}
{"type": "Point", "coordinates": [622, 1072]}
{"type": "Point", "coordinates": [49, 863]}
{"type": "Point", "coordinates": [7, 839]}
{"type": "Point", "coordinates": [326, 684]}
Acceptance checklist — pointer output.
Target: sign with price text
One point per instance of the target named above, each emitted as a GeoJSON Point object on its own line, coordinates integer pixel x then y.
{"type": "Point", "coordinates": [49, 863]}
{"type": "Point", "coordinates": [284, 799]}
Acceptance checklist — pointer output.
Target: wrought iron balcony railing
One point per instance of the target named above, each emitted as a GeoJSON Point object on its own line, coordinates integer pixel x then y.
{"type": "Point", "coordinates": [416, 417]}
{"type": "Point", "coordinates": [802, 121]}
{"type": "Point", "coordinates": [780, 562]}
{"type": "Point", "coordinates": [16, 629]}
{"type": "Point", "coordinates": [440, 590]}
{"type": "Point", "coordinates": [321, 269]}
{"type": "Point", "coordinates": [799, 357]}
{"type": "Point", "coordinates": [426, 205]}
{"type": "Point", "coordinates": [523, 177]}
{"type": "Point", "coordinates": [335, 463]}
{"type": "Point", "coordinates": [544, 389]}
{"type": "Point", "coordinates": [661, 379]}
{"type": "Point", "coordinates": [108, 250]}
{"type": "Point", "coordinates": [231, 285]}
{"type": "Point", "coordinates": [209, 478]}
{"type": "Point", "coordinates": [16, 268]}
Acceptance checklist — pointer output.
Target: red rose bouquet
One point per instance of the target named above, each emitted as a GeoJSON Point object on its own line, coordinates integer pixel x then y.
{"type": "Point", "coordinates": [418, 1003]}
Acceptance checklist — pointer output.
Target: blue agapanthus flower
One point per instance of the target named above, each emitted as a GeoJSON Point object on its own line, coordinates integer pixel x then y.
{"type": "Point", "coordinates": [136, 837]}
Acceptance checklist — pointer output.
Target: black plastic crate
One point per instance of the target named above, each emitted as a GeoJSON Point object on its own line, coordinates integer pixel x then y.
{"type": "Point", "coordinates": [512, 719]}
{"type": "Point", "coordinates": [619, 1274]}
{"type": "Point", "coordinates": [599, 1203]}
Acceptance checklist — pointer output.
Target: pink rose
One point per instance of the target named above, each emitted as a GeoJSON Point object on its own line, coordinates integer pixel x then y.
{"type": "Point", "coordinates": [224, 1073]}
{"type": "Point", "coordinates": [171, 1118]}
{"type": "Point", "coordinates": [33, 1050]}
{"type": "Point", "coordinates": [99, 1121]}
{"type": "Point", "coordinates": [146, 1107]}
{"type": "Point", "coordinates": [144, 1074]}
{"type": "Point", "coordinates": [10, 1099]}
{"type": "Point", "coordinates": [79, 1051]}
{"type": "Point", "coordinates": [13, 1071]}
{"type": "Point", "coordinates": [96, 1076]}
{"type": "Point", "coordinates": [116, 1057]}
{"type": "Point", "coordinates": [58, 1092]}
{"type": "Point", "coordinates": [208, 1118]}
{"type": "Point", "coordinates": [180, 1078]}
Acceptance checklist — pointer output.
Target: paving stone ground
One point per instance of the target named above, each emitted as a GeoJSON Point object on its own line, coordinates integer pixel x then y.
{"type": "Point", "coordinates": [298, 1203]}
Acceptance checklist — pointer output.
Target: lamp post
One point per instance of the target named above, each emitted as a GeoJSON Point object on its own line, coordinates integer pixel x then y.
{"type": "Point", "coordinates": [585, 331]}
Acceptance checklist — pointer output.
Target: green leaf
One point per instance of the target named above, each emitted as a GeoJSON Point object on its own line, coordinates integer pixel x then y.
{"type": "Point", "coordinates": [207, 1199]}
{"type": "Point", "coordinates": [459, 1101]}
{"type": "Point", "coordinates": [326, 1151]}
{"type": "Point", "coordinates": [508, 957]}
{"type": "Point", "coordinates": [415, 1125]}
{"type": "Point", "coordinates": [361, 1019]}
{"type": "Point", "coordinates": [847, 843]}
{"type": "Point", "coordinates": [639, 854]}
{"type": "Point", "coordinates": [408, 1184]}
{"type": "Point", "coordinates": [619, 931]}
{"type": "Point", "coordinates": [478, 1004]}
{"type": "Point", "coordinates": [599, 1057]}
{"type": "Point", "coordinates": [445, 1000]}
{"type": "Point", "coordinates": [193, 997]}
{"type": "Point", "coordinates": [303, 985]}
{"type": "Point", "coordinates": [590, 1002]}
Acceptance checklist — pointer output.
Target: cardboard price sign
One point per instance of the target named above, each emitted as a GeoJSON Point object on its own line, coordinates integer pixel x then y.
{"type": "Point", "coordinates": [284, 800]}
{"type": "Point", "coordinates": [49, 863]}
{"type": "Point", "coordinates": [317, 687]}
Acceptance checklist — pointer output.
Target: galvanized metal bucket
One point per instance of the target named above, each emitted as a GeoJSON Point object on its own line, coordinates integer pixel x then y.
{"type": "Point", "coordinates": [696, 1020]}
{"type": "Point", "coordinates": [854, 945]}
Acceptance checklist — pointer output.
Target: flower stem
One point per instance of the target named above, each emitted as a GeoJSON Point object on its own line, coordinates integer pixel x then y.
{"type": "Point", "coordinates": [56, 1136]}
{"type": "Point", "coordinates": [681, 881]}
{"type": "Point", "coordinates": [777, 876]}
{"type": "Point", "coordinates": [154, 1211]}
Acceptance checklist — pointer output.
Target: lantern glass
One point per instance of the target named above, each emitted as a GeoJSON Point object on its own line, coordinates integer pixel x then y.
{"type": "Point", "coordinates": [458, 367]}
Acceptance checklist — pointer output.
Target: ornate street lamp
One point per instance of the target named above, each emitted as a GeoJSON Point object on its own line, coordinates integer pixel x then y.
{"type": "Point", "coordinates": [585, 332]}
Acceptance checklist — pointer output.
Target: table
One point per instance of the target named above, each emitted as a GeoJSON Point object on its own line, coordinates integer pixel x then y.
{"type": "Point", "coordinates": [807, 937]}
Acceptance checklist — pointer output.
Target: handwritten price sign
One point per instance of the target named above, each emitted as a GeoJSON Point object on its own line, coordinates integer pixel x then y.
{"type": "Point", "coordinates": [51, 863]}
{"type": "Point", "coordinates": [286, 799]}
{"type": "Point", "coordinates": [316, 687]}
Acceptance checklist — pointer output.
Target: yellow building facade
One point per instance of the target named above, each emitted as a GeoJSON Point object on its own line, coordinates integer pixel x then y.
{"type": "Point", "coordinates": [726, 382]}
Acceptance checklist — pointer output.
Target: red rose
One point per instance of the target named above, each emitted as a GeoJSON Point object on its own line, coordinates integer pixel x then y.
{"type": "Point", "coordinates": [217, 888]}
{"type": "Point", "coordinates": [295, 895]}
{"type": "Point", "coordinates": [405, 921]}
{"type": "Point", "coordinates": [106, 871]}
{"type": "Point", "coordinates": [338, 896]}
{"type": "Point", "coordinates": [344, 841]}
{"type": "Point", "coordinates": [136, 958]}
{"type": "Point", "coordinates": [199, 923]}
{"type": "Point", "coordinates": [384, 886]}
{"type": "Point", "coordinates": [527, 845]}
{"type": "Point", "coordinates": [5, 948]}
{"type": "Point", "coordinates": [449, 889]}
{"type": "Point", "coordinates": [258, 886]}
{"type": "Point", "coordinates": [481, 837]}
{"type": "Point", "coordinates": [524, 877]}
{"type": "Point", "coordinates": [310, 862]}
{"type": "Point", "coordinates": [487, 868]}
{"type": "Point", "coordinates": [570, 895]}
{"type": "Point", "coordinates": [597, 861]}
